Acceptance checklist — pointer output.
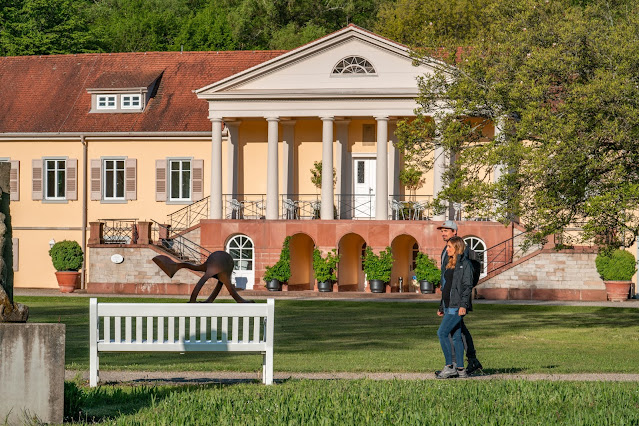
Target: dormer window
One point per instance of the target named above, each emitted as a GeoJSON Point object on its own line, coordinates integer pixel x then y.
{"type": "Point", "coordinates": [131, 101]}
{"type": "Point", "coordinates": [354, 65]}
{"type": "Point", "coordinates": [106, 102]}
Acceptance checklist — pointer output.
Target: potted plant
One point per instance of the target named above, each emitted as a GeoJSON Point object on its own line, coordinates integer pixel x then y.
{"type": "Point", "coordinates": [427, 273]}
{"type": "Point", "coordinates": [378, 269]}
{"type": "Point", "coordinates": [616, 268]}
{"type": "Point", "coordinates": [324, 269]}
{"type": "Point", "coordinates": [67, 258]}
{"type": "Point", "coordinates": [280, 272]}
{"type": "Point", "coordinates": [316, 180]}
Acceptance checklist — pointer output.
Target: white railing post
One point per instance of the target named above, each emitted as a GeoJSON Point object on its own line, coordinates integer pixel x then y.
{"type": "Point", "coordinates": [93, 343]}
{"type": "Point", "coordinates": [267, 375]}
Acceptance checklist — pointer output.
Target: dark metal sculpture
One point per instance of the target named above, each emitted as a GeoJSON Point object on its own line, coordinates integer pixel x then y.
{"type": "Point", "coordinates": [218, 265]}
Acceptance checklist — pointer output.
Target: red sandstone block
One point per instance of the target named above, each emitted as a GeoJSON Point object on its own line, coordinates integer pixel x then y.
{"type": "Point", "coordinates": [594, 295]}
{"type": "Point", "coordinates": [556, 294]}
{"type": "Point", "coordinates": [493, 293]}
{"type": "Point", "coordinates": [520, 294]}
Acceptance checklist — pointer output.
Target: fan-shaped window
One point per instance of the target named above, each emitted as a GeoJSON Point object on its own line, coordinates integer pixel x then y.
{"type": "Point", "coordinates": [354, 65]}
{"type": "Point", "coordinates": [479, 247]}
{"type": "Point", "coordinates": [240, 248]}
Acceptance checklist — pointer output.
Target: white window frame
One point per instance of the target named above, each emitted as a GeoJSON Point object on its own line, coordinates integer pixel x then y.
{"type": "Point", "coordinates": [131, 98]}
{"type": "Point", "coordinates": [106, 99]}
{"type": "Point", "coordinates": [104, 179]}
{"type": "Point", "coordinates": [169, 167]}
{"type": "Point", "coordinates": [350, 66]}
{"type": "Point", "coordinates": [45, 178]}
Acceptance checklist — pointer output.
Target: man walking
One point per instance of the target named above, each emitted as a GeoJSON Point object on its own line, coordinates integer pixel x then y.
{"type": "Point", "coordinates": [448, 230]}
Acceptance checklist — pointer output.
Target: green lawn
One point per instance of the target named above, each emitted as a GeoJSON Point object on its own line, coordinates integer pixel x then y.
{"type": "Point", "coordinates": [325, 336]}
{"type": "Point", "coordinates": [358, 402]}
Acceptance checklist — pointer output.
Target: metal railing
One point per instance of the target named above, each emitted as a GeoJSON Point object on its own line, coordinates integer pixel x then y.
{"type": "Point", "coordinates": [178, 245]}
{"type": "Point", "coordinates": [244, 206]}
{"type": "Point", "coordinates": [507, 252]}
{"type": "Point", "coordinates": [119, 231]}
{"type": "Point", "coordinates": [189, 216]}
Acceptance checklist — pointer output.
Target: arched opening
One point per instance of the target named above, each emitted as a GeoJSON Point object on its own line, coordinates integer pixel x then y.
{"type": "Point", "coordinates": [242, 250]}
{"type": "Point", "coordinates": [351, 276]}
{"type": "Point", "coordinates": [301, 246]}
{"type": "Point", "coordinates": [404, 253]}
{"type": "Point", "coordinates": [478, 246]}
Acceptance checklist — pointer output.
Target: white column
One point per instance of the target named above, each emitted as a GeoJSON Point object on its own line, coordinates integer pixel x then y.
{"type": "Point", "coordinates": [393, 160]}
{"type": "Point", "coordinates": [381, 198]}
{"type": "Point", "coordinates": [326, 211]}
{"type": "Point", "coordinates": [272, 189]}
{"type": "Point", "coordinates": [288, 152]}
{"type": "Point", "coordinates": [439, 165]}
{"type": "Point", "coordinates": [343, 166]}
{"type": "Point", "coordinates": [232, 149]}
{"type": "Point", "coordinates": [215, 211]}
{"type": "Point", "coordinates": [499, 169]}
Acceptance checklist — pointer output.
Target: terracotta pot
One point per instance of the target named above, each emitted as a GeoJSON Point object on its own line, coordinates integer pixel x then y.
{"type": "Point", "coordinates": [618, 291]}
{"type": "Point", "coordinates": [68, 281]}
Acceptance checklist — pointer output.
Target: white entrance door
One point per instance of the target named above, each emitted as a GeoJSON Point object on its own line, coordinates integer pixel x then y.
{"type": "Point", "coordinates": [240, 247]}
{"type": "Point", "coordinates": [364, 187]}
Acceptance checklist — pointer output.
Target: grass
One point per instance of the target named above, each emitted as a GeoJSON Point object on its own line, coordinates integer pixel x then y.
{"type": "Point", "coordinates": [299, 402]}
{"type": "Point", "coordinates": [326, 336]}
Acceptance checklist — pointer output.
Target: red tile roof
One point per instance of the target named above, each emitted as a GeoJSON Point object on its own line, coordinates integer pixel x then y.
{"type": "Point", "coordinates": [49, 93]}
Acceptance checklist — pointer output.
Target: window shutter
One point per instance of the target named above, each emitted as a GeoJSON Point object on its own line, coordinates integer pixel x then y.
{"type": "Point", "coordinates": [130, 178]}
{"type": "Point", "coordinates": [72, 179]}
{"type": "Point", "coordinates": [14, 181]}
{"type": "Point", "coordinates": [16, 263]}
{"type": "Point", "coordinates": [37, 180]}
{"type": "Point", "coordinates": [160, 180]}
{"type": "Point", "coordinates": [198, 180]}
{"type": "Point", "coordinates": [96, 177]}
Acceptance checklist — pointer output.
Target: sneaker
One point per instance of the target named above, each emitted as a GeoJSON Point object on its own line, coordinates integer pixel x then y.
{"type": "Point", "coordinates": [462, 374]}
{"type": "Point", "coordinates": [473, 365]}
{"type": "Point", "coordinates": [447, 372]}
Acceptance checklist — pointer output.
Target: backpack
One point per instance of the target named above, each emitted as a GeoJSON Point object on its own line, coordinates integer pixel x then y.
{"type": "Point", "coordinates": [476, 263]}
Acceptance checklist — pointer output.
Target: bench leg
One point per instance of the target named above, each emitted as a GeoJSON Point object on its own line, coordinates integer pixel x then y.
{"type": "Point", "coordinates": [267, 368]}
{"type": "Point", "coordinates": [94, 368]}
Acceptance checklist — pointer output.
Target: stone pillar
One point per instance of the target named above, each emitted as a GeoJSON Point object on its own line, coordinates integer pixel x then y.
{"type": "Point", "coordinates": [288, 152]}
{"type": "Point", "coordinates": [381, 198]}
{"type": "Point", "coordinates": [326, 212]}
{"type": "Point", "coordinates": [144, 233]}
{"type": "Point", "coordinates": [96, 232]}
{"type": "Point", "coordinates": [439, 164]}
{"type": "Point", "coordinates": [232, 149]}
{"type": "Point", "coordinates": [499, 169]}
{"type": "Point", "coordinates": [215, 211]}
{"type": "Point", "coordinates": [393, 160]}
{"type": "Point", "coordinates": [272, 184]}
{"type": "Point", "coordinates": [343, 166]}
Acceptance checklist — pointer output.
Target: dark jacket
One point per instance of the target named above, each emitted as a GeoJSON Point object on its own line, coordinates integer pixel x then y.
{"type": "Point", "coordinates": [462, 285]}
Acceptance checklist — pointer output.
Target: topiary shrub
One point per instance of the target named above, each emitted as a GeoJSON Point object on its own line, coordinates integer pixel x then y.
{"type": "Point", "coordinates": [616, 265]}
{"type": "Point", "coordinates": [426, 269]}
{"type": "Point", "coordinates": [324, 267]}
{"type": "Point", "coordinates": [281, 271]}
{"type": "Point", "coordinates": [66, 256]}
{"type": "Point", "coordinates": [378, 267]}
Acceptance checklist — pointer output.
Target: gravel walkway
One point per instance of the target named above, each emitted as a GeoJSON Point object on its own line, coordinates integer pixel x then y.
{"type": "Point", "coordinates": [207, 377]}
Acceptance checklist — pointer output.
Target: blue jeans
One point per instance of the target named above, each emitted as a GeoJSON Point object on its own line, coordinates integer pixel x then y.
{"type": "Point", "coordinates": [451, 325]}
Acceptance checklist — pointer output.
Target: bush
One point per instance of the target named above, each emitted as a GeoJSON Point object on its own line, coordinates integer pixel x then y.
{"type": "Point", "coordinates": [324, 267]}
{"type": "Point", "coordinates": [378, 267]}
{"type": "Point", "coordinates": [281, 271]}
{"type": "Point", "coordinates": [426, 270]}
{"type": "Point", "coordinates": [66, 256]}
{"type": "Point", "coordinates": [616, 265]}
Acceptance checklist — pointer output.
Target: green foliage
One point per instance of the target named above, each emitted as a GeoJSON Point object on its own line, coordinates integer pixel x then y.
{"type": "Point", "coordinates": [387, 402]}
{"type": "Point", "coordinates": [281, 270]}
{"type": "Point", "coordinates": [324, 267]}
{"type": "Point", "coordinates": [616, 265]}
{"type": "Point", "coordinates": [316, 175]}
{"type": "Point", "coordinates": [559, 80]}
{"type": "Point", "coordinates": [411, 178]}
{"type": "Point", "coordinates": [66, 255]}
{"type": "Point", "coordinates": [73, 400]}
{"type": "Point", "coordinates": [426, 269]}
{"type": "Point", "coordinates": [378, 267]}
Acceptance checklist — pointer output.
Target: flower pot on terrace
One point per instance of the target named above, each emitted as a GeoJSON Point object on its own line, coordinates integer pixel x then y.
{"type": "Point", "coordinates": [68, 281]}
{"type": "Point", "coordinates": [377, 286]}
{"type": "Point", "coordinates": [274, 285]}
{"type": "Point", "coordinates": [324, 286]}
{"type": "Point", "coordinates": [618, 291]}
{"type": "Point", "coordinates": [426, 287]}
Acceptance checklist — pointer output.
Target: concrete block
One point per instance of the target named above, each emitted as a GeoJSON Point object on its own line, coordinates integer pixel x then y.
{"type": "Point", "coordinates": [32, 373]}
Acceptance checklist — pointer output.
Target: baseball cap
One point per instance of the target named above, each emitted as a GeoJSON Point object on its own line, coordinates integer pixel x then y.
{"type": "Point", "coordinates": [450, 224]}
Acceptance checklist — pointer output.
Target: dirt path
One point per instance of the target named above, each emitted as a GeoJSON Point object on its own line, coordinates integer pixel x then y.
{"type": "Point", "coordinates": [207, 377]}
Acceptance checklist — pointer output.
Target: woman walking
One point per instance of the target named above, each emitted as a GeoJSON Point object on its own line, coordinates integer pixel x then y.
{"type": "Point", "coordinates": [456, 301]}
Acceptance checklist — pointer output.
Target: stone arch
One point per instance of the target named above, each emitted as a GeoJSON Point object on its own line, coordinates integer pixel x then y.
{"type": "Point", "coordinates": [350, 274]}
{"type": "Point", "coordinates": [301, 246]}
{"type": "Point", "coordinates": [402, 247]}
{"type": "Point", "coordinates": [479, 246]}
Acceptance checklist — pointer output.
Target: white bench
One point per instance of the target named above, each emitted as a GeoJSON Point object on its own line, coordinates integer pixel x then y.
{"type": "Point", "coordinates": [200, 327]}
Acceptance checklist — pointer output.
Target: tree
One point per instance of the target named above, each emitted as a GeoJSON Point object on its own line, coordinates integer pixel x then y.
{"type": "Point", "coordinates": [559, 79]}
{"type": "Point", "coordinates": [316, 175]}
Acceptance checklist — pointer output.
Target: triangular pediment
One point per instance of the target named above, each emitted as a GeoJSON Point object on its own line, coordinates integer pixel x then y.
{"type": "Point", "coordinates": [310, 71]}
